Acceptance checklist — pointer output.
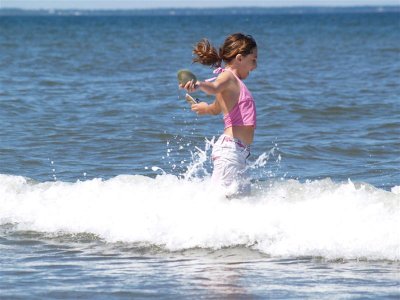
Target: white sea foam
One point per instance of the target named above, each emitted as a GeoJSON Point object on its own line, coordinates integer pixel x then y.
{"type": "Point", "coordinates": [281, 218]}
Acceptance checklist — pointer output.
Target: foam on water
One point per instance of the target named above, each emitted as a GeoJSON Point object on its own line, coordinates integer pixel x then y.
{"type": "Point", "coordinates": [281, 218]}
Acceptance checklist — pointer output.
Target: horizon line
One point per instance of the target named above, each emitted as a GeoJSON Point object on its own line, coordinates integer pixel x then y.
{"type": "Point", "coordinates": [215, 7]}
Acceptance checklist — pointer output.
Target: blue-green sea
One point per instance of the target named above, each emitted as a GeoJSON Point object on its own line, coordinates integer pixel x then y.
{"type": "Point", "coordinates": [105, 186]}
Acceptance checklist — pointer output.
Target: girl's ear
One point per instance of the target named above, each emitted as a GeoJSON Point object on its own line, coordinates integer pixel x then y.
{"type": "Point", "coordinates": [239, 57]}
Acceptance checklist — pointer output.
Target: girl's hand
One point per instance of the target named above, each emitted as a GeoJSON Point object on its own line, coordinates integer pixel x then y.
{"type": "Point", "coordinates": [190, 86]}
{"type": "Point", "coordinates": [200, 108]}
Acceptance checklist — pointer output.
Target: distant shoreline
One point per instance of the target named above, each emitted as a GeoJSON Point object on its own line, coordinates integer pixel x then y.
{"type": "Point", "coordinates": [200, 11]}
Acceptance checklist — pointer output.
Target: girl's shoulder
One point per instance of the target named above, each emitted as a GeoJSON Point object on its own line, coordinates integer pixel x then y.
{"type": "Point", "coordinates": [226, 75]}
{"type": "Point", "coordinates": [226, 81]}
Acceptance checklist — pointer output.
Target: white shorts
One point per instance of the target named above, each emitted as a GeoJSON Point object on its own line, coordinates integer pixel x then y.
{"type": "Point", "coordinates": [229, 156]}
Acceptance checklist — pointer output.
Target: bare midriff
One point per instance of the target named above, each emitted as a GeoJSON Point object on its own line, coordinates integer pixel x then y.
{"type": "Point", "coordinates": [243, 133]}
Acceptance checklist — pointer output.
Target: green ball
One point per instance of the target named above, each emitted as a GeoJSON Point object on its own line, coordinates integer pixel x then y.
{"type": "Point", "coordinates": [185, 75]}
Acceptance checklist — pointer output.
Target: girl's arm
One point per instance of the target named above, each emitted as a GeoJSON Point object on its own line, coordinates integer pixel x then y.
{"type": "Point", "coordinates": [218, 86]}
{"type": "Point", "coordinates": [213, 88]}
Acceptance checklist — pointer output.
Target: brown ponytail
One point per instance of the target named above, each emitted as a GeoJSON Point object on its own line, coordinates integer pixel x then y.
{"type": "Point", "coordinates": [234, 44]}
{"type": "Point", "coordinates": [206, 54]}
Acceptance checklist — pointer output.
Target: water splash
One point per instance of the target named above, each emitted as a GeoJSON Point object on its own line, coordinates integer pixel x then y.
{"type": "Point", "coordinates": [53, 170]}
{"type": "Point", "coordinates": [267, 165]}
{"type": "Point", "coordinates": [197, 168]}
{"type": "Point", "coordinates": [199, 165]}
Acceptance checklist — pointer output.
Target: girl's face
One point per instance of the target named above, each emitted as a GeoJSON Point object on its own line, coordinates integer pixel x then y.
{"type": "Point", "coordinates": [247, 64]}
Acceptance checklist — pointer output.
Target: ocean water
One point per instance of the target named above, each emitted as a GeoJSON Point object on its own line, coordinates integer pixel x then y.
{"type": "Point", "coordinates": [104, 170]}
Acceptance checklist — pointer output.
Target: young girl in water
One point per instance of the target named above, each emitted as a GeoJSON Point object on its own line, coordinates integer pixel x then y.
{"type": "Point", "coordinates": [234, 101]}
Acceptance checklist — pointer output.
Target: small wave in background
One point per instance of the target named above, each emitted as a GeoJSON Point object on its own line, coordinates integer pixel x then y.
{"type": "Point", "coordinates": [281, 218]}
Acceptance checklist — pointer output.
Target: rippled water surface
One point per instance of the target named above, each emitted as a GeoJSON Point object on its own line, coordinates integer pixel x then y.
{"type": "Point", "coordinates": [104, 170]}
{"type": "Point", "coordinates": [80, 267]}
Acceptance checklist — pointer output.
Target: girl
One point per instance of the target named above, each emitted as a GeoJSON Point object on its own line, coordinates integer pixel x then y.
{"type": "Point", "coordinates": [234, 101]}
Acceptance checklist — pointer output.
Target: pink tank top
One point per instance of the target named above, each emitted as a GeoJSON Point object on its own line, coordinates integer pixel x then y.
{"type": "Point", "coordinates": [244, 111]}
